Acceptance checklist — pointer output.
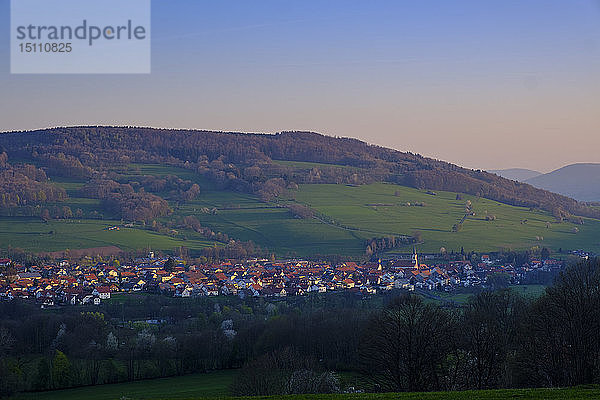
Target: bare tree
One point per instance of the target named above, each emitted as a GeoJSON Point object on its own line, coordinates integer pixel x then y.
{"type": "Point", "coordinates": [405, 345]}
{"type": "Point", "coordinates": [565, 325]}
{"type": "Point", "coordinates": [489, 324]}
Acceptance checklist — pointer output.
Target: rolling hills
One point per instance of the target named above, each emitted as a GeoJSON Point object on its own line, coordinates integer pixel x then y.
{"type": "Point", "coordinates": [516, 174]}
{"type": "Point", "coordinates": [579, 181]}
{"type": "Point", "coordinates": [249, 188]}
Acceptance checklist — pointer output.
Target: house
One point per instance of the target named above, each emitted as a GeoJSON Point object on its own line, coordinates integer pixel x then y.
{"type": "Point", "coordinates": [295, 291]}
{"type": "Point", "coordinates": [210, 290]}
{"type": "Point", "coordinates": [320, 288]}
{"type": "Point", "coordinates": [70, 295]}
{"type": "Point", "coordinates": [29, 275]}
{"type": "Point", "coordinates": [183, 292]}
{"type": "Point", "coordinates": [349, 283]}
{"type": "Point", "coordinates": [272, 291]}
{"type": "Point", "coordinates": [45, 302]}
{"type": "Point", "coordinates": [368, 290]}
{"type": "Point", "coordinates": [113, 273]}
{"type": "Point", "coordinates": [127, 276]}
{"type": "Point", "coordinates": [103, 292]}
{"type": "Point", "coordinates": [166, 287]}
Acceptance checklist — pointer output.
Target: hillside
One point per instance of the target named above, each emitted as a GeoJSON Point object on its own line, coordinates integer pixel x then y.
{"type": "Point", "coordinates": [516, 174]}
{"type": "Point", "coordinates": [579, 181]}
{"type": "Point", "coordinates": [346, 216]}
{"type": "Point", "coordinates": [243, 161]}
{"type": "Point", "coordinates": [379, 210]}
{"type": "Point", "coordinates": [293, 193]}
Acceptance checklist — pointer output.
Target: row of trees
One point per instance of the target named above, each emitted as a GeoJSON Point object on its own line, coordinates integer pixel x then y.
{"type": "Point", "coordinates": [376, 245]}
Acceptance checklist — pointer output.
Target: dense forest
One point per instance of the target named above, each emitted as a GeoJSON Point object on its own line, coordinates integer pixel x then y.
{"type": "Point", "coordinates": [249, 163]}
{"type": "Point", "coordinates": [25, 185]}
{"type": "Point", "coordinates": [393, 341]}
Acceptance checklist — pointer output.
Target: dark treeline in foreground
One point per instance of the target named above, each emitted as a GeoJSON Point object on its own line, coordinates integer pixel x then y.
{"type": "Point", "coordinates": [248, 162]}
{"type": "Point", "coordinates": [393, 341]}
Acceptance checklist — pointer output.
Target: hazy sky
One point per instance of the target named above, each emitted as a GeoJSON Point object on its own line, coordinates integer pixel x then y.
{"type": "Point", "coordinates": [484, 84]}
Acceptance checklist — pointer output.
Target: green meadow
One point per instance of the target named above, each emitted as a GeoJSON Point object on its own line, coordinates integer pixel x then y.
{"type": "Point", "coordinates": [381, 209]}
{"type": "Point", "coordinates": [35, 235]}
{"type": "Point", "coordinates": [346, 217]}
{"type": "Point", "coordinates": [218, 385]}
{"type": "Point", "coordinates": [214, 384]}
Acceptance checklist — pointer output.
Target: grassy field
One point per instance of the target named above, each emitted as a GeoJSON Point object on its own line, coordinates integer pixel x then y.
{"type": "Point", "coordinates": [275, 228]}
{"type": "Point", "coordinates": [217, 385]}
{"type": "Point", "coordinates": [530, 291]}
{"type": "Point", "coordinates": [36, 235]}
{"type": "Point", "coordinates": [33, 234]}
{"type": "Point", "coordinates": [302, 165]}
{"type": "Point", "coordinates": [213, 384]}
{"type": "Point", "coordinates": [349, 216]}
{"type": "Point", "coordinates": [380, 209]}
{"type": "Point", "coordinates": [534, 394]}
{"type": "Point", "coordinates": [533, 291]}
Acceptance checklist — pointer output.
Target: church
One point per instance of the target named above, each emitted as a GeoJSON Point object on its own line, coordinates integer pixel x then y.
{"type": "Point", "coordinates": [413, 262]}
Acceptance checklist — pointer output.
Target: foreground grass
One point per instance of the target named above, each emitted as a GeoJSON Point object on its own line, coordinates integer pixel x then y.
{"type": "Point", "coordinates": [546, 394]}
{"type": "Point", "coordinates": [217, 385]}
{"type": "Point", "coordinates": [214, 384]}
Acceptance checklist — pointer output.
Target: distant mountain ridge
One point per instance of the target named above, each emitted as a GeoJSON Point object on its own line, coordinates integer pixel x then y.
{"type": "Point", "coordinates": [579, 181]}
{"type": "Point", "coordinates": [516, 174]}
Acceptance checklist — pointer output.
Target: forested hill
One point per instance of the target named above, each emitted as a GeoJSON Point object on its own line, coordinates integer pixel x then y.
{"type": "Point", "coordinates": [248, 162]}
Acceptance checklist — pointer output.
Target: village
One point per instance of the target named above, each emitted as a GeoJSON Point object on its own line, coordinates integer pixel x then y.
{"type": "Point", "coordinates": [64, 283]}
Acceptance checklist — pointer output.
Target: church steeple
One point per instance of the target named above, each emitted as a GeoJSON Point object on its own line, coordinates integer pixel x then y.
{"type": "Point", "coordinates": [415, 258]}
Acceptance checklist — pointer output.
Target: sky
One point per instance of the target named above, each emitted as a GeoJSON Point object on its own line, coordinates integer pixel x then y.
{"type": "Point", "coordinates": [483, 84]}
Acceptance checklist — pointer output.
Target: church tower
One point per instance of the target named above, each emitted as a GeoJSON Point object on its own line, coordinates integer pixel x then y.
{"type": "Point", "coordinates": [415, 258]}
